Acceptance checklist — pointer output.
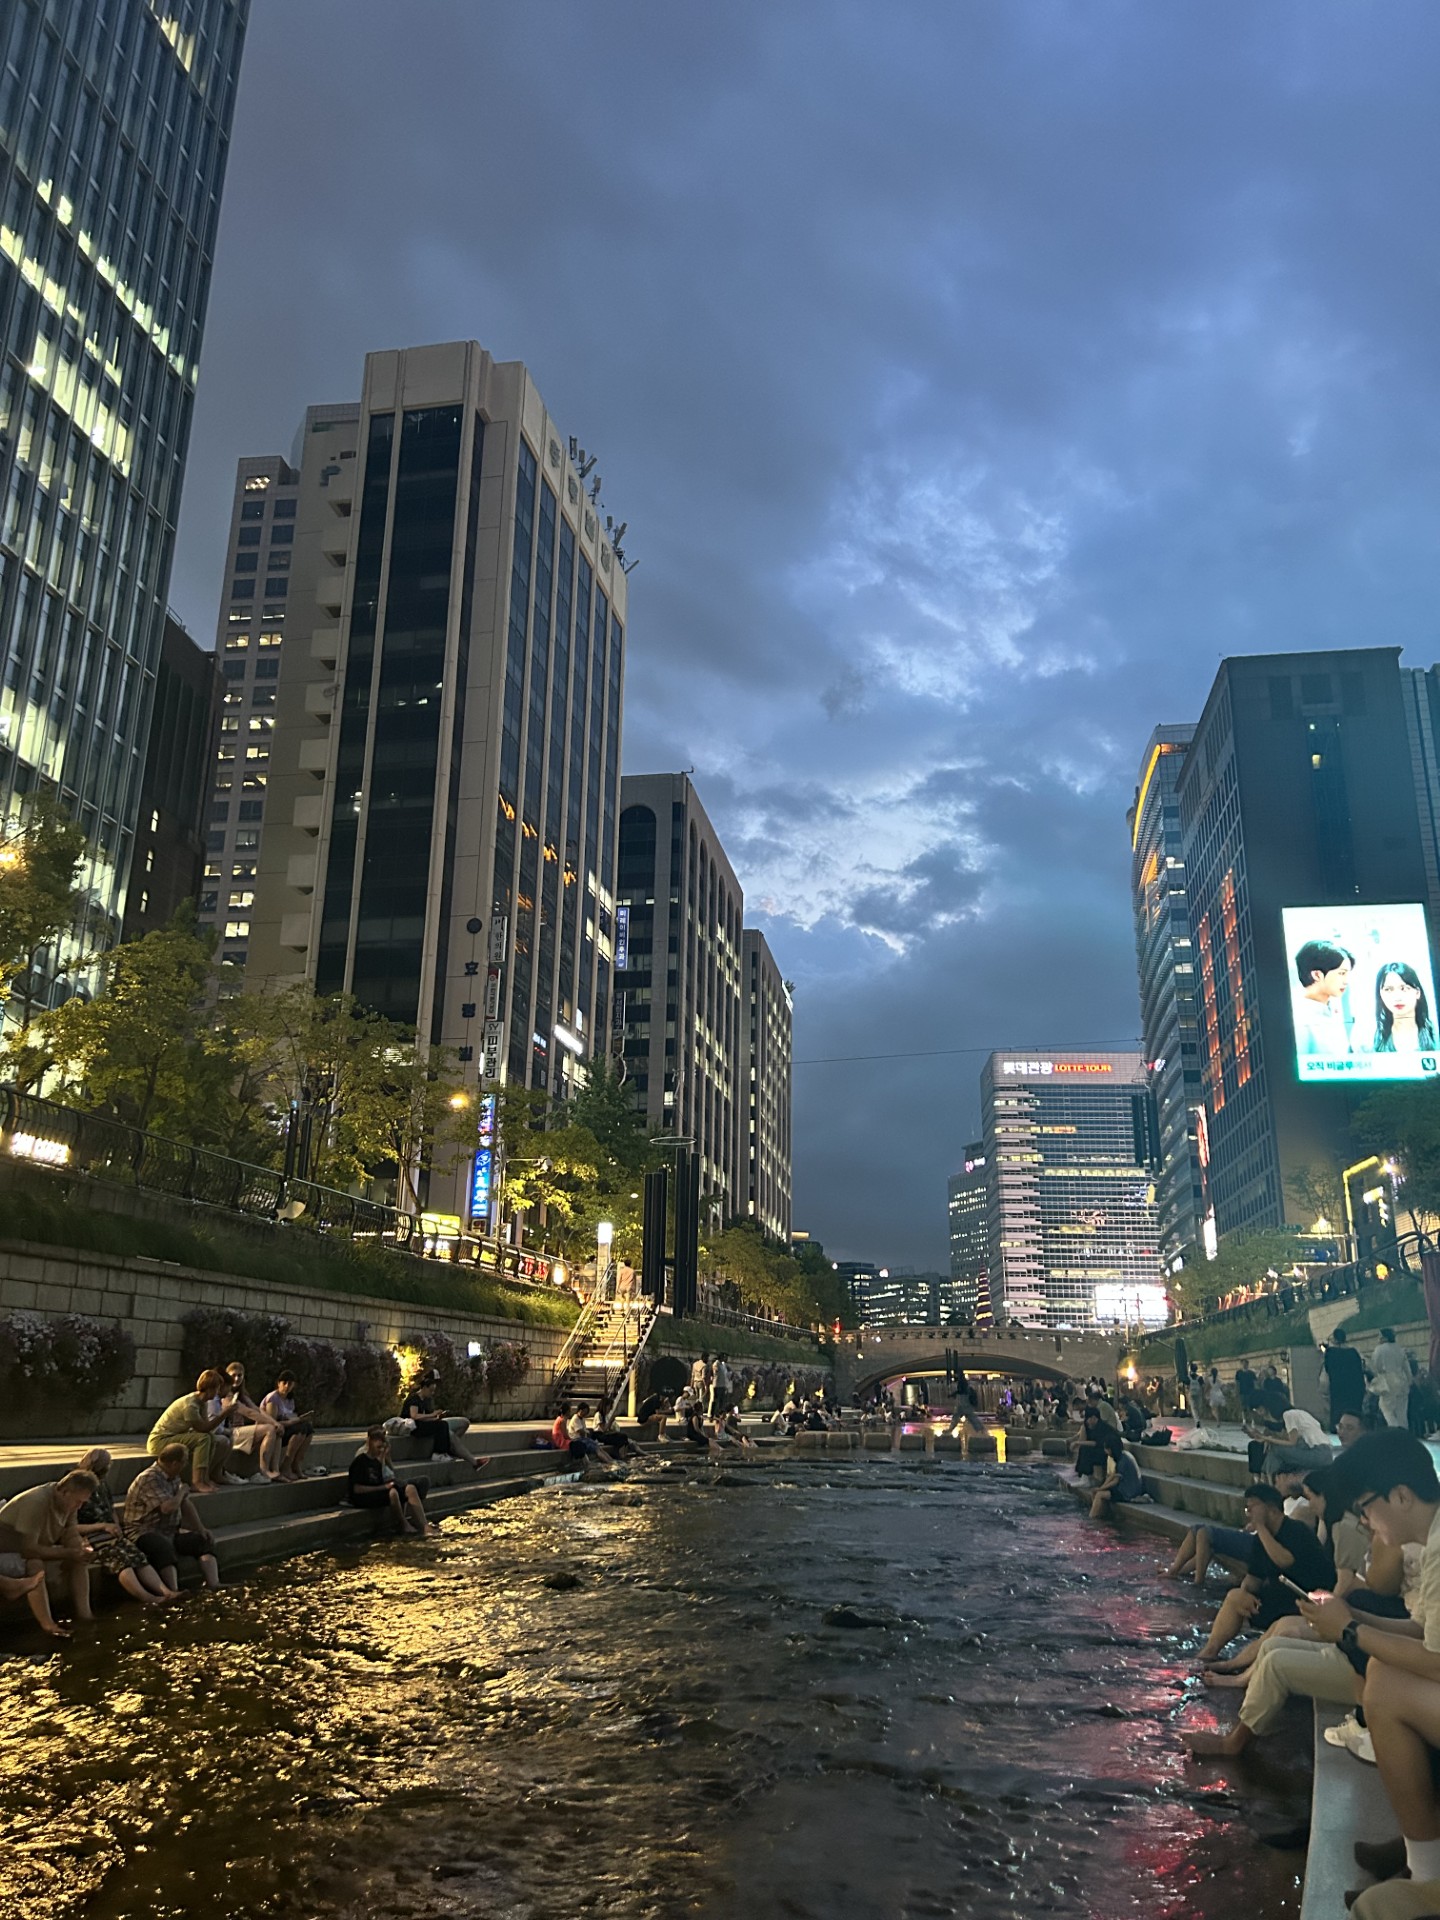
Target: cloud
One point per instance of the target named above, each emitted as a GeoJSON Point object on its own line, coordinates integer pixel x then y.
{"type": "Point", "coordinates": [972, 380]}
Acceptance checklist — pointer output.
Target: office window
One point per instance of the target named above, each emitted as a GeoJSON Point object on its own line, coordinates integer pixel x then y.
{"type": "Point", "coordinates": [237, 929]}
{"type": "Point", "coordinates": [261, 722]}
{"type": "Point", "coordinates": [247, 563]}
{"type": "Point", "coordinates": [267, 669]}
{"type": "Point", "coordinates": [229, 722]}
{"type": "Point", "coordinates": [242, 897]}
{"type": "Point", "coordinates": [252, 510]}
{"type": "Point", "coordinates": [234, 669]}
{"type": "Point", "coordinates": [212, 867]}
{"type": "Point", "coordinates": [284, 510]}
{"type": "Point", "coordinates": [263, 697]}
{"type": "Point", "coordinates": [241, 869]}
{"type": "Point", "coordinates": [280, 559]}
{"type": "Point", "coordinates": [240, 589]}
{"type": "Point", "coordinates": [247, 840]}
{"type": "Point", "coordinates": [281, 536]}
{"type": "Point", "coordinates": [209, 902]}
{"type": "Point", "coordinates": [271, 639]}
{"type": "Point", "coordinates": [236, 642]}
{"type": "Point", "coordinates": [238, 616]}
{"type": "Point", "coordinates": [274, 588]}
{"type": "Point", "coordinates": [248, 537]}
{"type": "Point", "coordinates": [250, 810]}
{"type": "Point", "coordinates": [257, 483]}
{"type": "Point", "coordinates": [276, 612]}
{"type": "Point", "coordinates": [215, 842]}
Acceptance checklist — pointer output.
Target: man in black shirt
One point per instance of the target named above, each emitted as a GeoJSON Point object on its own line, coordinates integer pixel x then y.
{"type": "Point", "coordinates": [1281, 1546]}
{"type": "Point", "coordinates": [1245, 1387]}
{"type": "Point", "coordinates": [1345, 1372]}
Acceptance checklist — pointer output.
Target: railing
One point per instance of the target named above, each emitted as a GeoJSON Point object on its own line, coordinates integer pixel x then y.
{"type": "Point", "coordinates": [45, 1134]}
{"type": "Point", "coordinates": [1329, 1283]}
{"type": "Point", "coordinates": [755, 1323]}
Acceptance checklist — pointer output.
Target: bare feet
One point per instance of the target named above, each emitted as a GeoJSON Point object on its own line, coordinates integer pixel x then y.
{"type": "Point", "coordinates": [203, 1486]}
{"type": "Point", "coordinates": [55, 1630]}
{"type": "Point", "coordinates": [1213, 1677]}
{"type": "Point", "coordinates": [480, 1460]}
{"type": "Point", "coordinates": [1218, 1745]}
{"type": "Point", "coordinates": [17, 1589]}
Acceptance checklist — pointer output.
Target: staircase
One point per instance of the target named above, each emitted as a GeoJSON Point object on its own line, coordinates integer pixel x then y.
{"type": "Point", "coordinates": [597, 1361]}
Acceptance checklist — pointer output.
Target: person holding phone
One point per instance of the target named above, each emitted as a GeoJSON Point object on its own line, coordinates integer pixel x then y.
{"type": "Point", "coordinates": [298, 1428]}
{"type": "Point", "coordinates": [1280, 1546]}
{"type": "Point", "coordinates": [432, 1424]}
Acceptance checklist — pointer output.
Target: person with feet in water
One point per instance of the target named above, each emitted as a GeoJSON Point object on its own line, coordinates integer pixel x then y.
{"type": "Point", "coordinates": [432, 1424]}
{"type": "Point", "coordinates": [38, 1531]}
{"type": "Point", "coordinates": [1278, 1546]}
{"type": "Point", "coordinates": [371, 1483]}
{"type": "Point", "coordinates": [1122, 1483]}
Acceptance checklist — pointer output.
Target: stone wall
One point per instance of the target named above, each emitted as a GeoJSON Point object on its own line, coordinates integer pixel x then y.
{"type": "Point", "coordinates": [148, 1298]}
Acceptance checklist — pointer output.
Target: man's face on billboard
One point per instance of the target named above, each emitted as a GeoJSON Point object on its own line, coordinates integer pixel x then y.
{"type": "Point", "coordinates": [1330, 986]}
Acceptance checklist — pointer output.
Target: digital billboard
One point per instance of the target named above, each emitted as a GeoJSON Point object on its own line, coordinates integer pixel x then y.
{"type": "Point", "coordinates": [1362, 993]}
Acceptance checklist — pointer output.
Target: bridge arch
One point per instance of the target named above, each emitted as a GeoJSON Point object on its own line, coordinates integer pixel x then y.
{"type": "Point", "coordinates": [864, 1359]}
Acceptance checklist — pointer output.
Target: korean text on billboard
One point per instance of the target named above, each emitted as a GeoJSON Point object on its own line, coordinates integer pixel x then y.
{"type": "Point", "coordinates": [1362, 993]}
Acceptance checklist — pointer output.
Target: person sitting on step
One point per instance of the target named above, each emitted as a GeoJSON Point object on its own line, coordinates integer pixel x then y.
{"type": "Point", "coordinates": [162, 1520]}
{"type": "Point", "coordinates": [39, 1532]}
{"type": "Point", "coordinates": [297, 1430]}
{"type": "Point", "coordinates": [432, 1424]}
{"type": "Point", "coordinates": [372, 1484]}
{"type": "Point", "coordinates": [188, 1423]}
{"type": "Point", "coordinates": [1122, 1483]}
{"type": "Point", "coordinates": [1278, 1546]}
{"type": "Point", "coordinates": [103, 1530]}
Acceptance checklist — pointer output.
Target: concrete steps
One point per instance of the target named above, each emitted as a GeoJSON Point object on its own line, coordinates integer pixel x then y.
{"type": "Point", "coordinates": [1347, 1803]}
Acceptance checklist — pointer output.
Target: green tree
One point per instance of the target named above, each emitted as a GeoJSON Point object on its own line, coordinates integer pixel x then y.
{"type": "Point", "coordinates": [41, 854]}
{"type": "Point", "coordinates": [1243, 1260]}
{"type": "Point", "coordinates": [407, 1114]}
{"type": "Point", "coordinates": [1318, 1191]}
{"type": "Point", "coordinates": [143, 1050]}
{"type": "Point", "coordinates": [1403, 1123]}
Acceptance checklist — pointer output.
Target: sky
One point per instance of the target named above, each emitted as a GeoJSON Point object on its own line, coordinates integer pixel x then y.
{"type": "Point", "coordinates": [973, 376]}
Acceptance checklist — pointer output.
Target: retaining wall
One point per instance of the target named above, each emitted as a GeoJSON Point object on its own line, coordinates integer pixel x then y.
{"type": "Point", "coordinates": [148, 1298]}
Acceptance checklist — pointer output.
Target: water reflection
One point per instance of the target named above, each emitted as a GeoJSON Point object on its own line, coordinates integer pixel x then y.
{"type": "Point", "coordinates": [684, 1721]}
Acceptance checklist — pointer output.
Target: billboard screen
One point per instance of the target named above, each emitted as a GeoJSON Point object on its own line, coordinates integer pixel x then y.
{"type": "Point", "coordinates": [1362, 993]}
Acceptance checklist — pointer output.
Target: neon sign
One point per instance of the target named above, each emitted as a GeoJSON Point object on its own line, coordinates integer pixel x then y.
{"type": "Point", "coordinates": [482, 1174]}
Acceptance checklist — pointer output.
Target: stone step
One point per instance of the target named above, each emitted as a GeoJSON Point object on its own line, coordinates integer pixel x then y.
{"type": "Point", "coordinates": [1200, 1499]}
{"type": "Point", "coordinates": [1348, 1802]}
{"type": "Point", "coordinates": [1196, 1463]}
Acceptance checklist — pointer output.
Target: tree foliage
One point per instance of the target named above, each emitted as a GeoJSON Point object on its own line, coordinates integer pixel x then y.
{"type": "Point", "coordinates": [1403, 1122]}
{"type": "Point", "coordinates": [1243, 1260]}
{"type": "Point", "coordinates": [41, 855]}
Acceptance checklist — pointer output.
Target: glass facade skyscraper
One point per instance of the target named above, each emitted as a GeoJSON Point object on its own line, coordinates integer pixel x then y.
{"type": "Point", "coordinates": [1165, 955]}
{"type": "Point", "coordinates": [970, 1235]}
{"type": "Point", "coordinates": [1073, 1235]}
{"type": "Point", "coordinates": [114, 130]}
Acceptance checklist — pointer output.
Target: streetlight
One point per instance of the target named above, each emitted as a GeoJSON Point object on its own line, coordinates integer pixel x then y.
{"type": "Point", "coordinates": [604, 1240]}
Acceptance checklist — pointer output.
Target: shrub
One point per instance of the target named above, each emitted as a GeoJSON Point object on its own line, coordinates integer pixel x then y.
{"type": "Point", "coordinates": [372, 1384]}
{"type": "Point", "coordinates": [214, 1336]}
{"type": "Point", "coordinates": [461, 1378]}
{"type": "Point", "coordinates": [72, 1359]}
{"type": "Point", "coordinates": [506, 1366]}
{"type": "Point", "coordinates": [319, 1370]}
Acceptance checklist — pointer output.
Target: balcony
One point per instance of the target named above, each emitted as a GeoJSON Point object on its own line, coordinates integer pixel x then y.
{"type": "Point", "coordinates": [295, 931]}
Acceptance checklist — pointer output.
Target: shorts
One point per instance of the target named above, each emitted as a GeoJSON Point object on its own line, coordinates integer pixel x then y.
{"type": "Point", "coordinates": [1231, 1543]}
{"type": "Point", "coordinates": [12, 1566]}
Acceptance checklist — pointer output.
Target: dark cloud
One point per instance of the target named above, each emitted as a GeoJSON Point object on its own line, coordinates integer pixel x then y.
{"type": "Point", "coordinates": [972, 378]}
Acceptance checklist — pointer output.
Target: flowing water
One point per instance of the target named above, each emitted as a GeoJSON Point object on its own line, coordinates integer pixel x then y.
{"type": "Point", "coordinates": [894, 1688]}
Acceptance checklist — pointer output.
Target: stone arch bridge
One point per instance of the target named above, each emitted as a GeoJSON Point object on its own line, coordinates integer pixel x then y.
{"type": "Point", "coordinates": [863, 1360]}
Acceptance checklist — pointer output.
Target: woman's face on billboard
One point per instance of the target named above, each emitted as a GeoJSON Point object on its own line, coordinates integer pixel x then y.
{"type": "Point", "coordinates": [1399, 996]}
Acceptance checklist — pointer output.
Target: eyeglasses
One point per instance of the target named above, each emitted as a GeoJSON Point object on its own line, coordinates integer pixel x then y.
{"type": "Point", "coordinates": [1361, 1509]}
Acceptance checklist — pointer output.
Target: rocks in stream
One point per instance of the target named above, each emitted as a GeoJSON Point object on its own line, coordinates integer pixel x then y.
{"type": "Point", "coordinates": [852, 1618]}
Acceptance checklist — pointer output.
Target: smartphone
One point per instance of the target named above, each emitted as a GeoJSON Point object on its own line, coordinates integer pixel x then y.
{"type": "Point", "coordinates": [1285, 1581]}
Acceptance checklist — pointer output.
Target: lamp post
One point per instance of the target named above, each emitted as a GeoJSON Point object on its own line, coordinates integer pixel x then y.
{"type": "Point", "coordinates": [604, 1240]}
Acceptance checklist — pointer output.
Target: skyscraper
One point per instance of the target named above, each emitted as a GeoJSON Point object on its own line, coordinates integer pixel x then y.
{"type": "Point", "coordinates": [114, 130]}
{"type": "Point", "coordinates": [1166, 959]}
{"type": "Point", "coordinates": [768, 1010]}
{"type": "Point", "coordinates": [679, 981]}
{"type": "Point", "coordinates": [1305, 802]}
{"type": "Point", "coordinates": [970, 1235]}
{"type": "Point", "coordinates": [442, 790]}
{"type": "Point", "coordinates": [165, 869]}
{"type": "Point", "coordinates": [1072, 1226]}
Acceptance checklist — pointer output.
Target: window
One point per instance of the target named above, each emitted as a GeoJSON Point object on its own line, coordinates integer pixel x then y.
{"type": "Point", "coordinates": [234, 696]}
{"type": "Point", "coordinates": [239, 589]}
{"type": "Point", "coordinates": [257, 483]}
{"type": "Point", "coordinates": [212, 867]}
{"type": "Point", "coordinates": [276, 612]}
{"type": "Point", "coordinates": [271, 639]}
{"type": "Point", "coordinates": [248, 537]}
{"type": "Point", "coordinates": [276, 587]}
{"type": "Point", "coordinates": [262, 722]}
{"type": "Point", "coordinates": [281, 536]}
{"type": "Point", "coordinates": [280, 559]}
{"type": "Point", "coordinates": [257, 755]}
{"type": "Point", "coordinates": [284, 510]}
{"type": "Point", "coordinates": [267, 669]}
{"type": "Point", "coordinates": [239, 615]}
{"type": "Point", "coordinates": [250, 810]}
{"type": "Point", "coordinates": [220, 811]}
{"type": "Point", "coordinates": [209, 902]}
{"type": "Point", "coordinates": [254, 780]}
{"type": "Point", "coordinates": [242, 897]}
{"type": "Point", "coordinates": [144, 900]}
{"type": "Point", "coordinates": [234, 669]}
{"type": "Point", "coordinates": [215, 842]}
{"type": "Point", "coordinates": [234, 956]}
{"type": "Point", "coordinates": [263, 697]}
{"type": "Point", "coordinates": [247, 840]}
{"type": "Point", "coordinates": [155, 820]}
{"type": "Point", "coordinates": [237, 929]}
{"type": "Point", "coordinates": [241, 869]}
{"type": "Point", "coordinates": [235, 642]}
{"type": "Point", "coordinates": [229, 722]}
{"type": "Point", "coordinates": [252, 510]}
{"type": "Point", "coordinates": [247, 563]}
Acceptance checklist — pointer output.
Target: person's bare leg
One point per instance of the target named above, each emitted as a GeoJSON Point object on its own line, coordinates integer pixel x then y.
{"type": "Point", "coordinates": [1219, 1745]}
{"type": "Point", "coordinates": [418, 1516]}
{"type": "Point", "coordinates": [11, 1589]}
{"type": "Point", "coordinates": [38, 1600]}
{"type": "Point", "coordinates": [1184, 1555]}
{"type": "Point", "coordinates": [80, 1593]}
{"type": "Point", "coordinates": [131, 1583]}
{"type": "Point", "coordinates": [172, 1580]}
{"type": "Point", "coordinates": [151, 1581]}
{"type": "Point", "coordinates": [1100, 1506]}
{"type": "Point", "coordinates": [1228, 1622]}
{"type": "Point", "coordinates": [210, 1568]}
{"type": "Point", "coordinates": [272, 1449]}
{"type": "Point", "coordinates": [1403, 1715]}
{"type": "Point", "coordinates": [1239, 1662]}
{"type": "Point", "coordinates": [1201, 1567]}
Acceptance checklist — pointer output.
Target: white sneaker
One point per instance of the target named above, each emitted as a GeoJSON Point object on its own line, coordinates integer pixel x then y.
{"type": "Point", "coordinates": [1353, 1737]}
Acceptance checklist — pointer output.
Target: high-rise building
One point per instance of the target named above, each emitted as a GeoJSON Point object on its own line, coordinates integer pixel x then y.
{"type": "Point", "coordinates": [861, 1279]}
{"type": "Point", "coordinates": [679, 980]}
{"type": "Point", "coordinates": [114, 131]}
{"type": "Point", "coordinates": [439, 832]}
{"type": "Point", "coordinates": [1168, 985]}
{"type": "Point", "coordinates": [970, 1235]}
{"type": "Point", "coordinates": [1073, 1232]}
{"type": "Point", "coordinates": [165, 869]}
{"type": "Point", "coordinates": [1305, 805]}
{"type": "Point", "coordinates": [290, 524]}
{"type": "Point", "coordinates": [768, 1031]}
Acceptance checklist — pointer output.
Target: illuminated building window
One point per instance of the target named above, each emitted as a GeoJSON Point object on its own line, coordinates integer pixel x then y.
{"type": "Point", "coordinates": [257, 483]}
{"type": "Point", "coordinates": [270, 639]}
{"type": "Point", "coordinates": [237, 642]}
{"type": "Point", "coordinates": [237, 929]}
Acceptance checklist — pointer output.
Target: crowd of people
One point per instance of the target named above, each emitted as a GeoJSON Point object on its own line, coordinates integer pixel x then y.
{"type": "Point", "coordinates": [57, 1537]}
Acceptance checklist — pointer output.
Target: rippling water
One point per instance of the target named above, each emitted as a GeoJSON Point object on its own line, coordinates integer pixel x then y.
{"type": "Point", "coordinates": [673, 1727]}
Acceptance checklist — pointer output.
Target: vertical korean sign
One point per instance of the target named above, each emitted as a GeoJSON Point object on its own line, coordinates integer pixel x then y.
{"type": "Point", "coordinates": [482, 1177]}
